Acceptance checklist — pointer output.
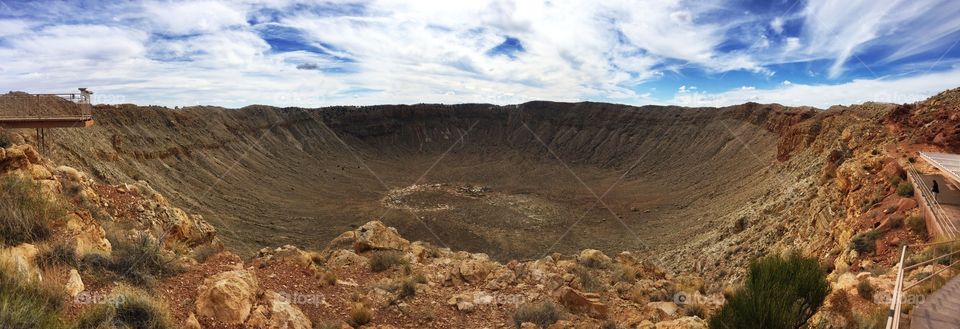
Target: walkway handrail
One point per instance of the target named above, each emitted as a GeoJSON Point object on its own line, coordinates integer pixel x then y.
{"type": "Point", "coordinates": [945, 226]}
{"type": "Point", "coordinates": [893, 317]}
{"type": "Point", "coordinates": [82, 99]}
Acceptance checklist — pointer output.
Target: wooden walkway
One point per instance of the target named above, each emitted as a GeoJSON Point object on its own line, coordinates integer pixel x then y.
{"type": "Point", "coordinates": [941, 310]}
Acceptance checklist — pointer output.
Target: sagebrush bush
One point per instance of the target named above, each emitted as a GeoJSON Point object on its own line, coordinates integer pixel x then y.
{"type": "Point", "coordinates": [127, 308]}
{"type": "Point", "coordinates": [203, 252]}
{"type": "Point", "coordinates": [588, 280]}
{"type": "Point", "coordinates": [917, 225]}
{"type": "Point", "coordinates": [360, 314]}
{"type": "Point", "coordinates": [58, 254]}
{"type": "Point", "coordinates": [383, 260]}
{"type": "Point", "coordinates": [25, 214]}
{"type": "Point", "coordinates": [905, 189]}
{"type": "Point", "coordinates": [865, 289]}
{"type": "Point", "coordinates": [779, 292]}
{"type": "Point", "coordinates": [139, 260]}
{"type": "Point", "coordinates": [5, 139]}
{"type": "Point", "coordinates": [542, 314]}
{"type": "Point", "coordinates": [865, 242]}
{"type": "Point", "coordinates": [25, 303]}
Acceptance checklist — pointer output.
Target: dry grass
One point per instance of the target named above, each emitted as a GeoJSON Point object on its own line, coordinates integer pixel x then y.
{"type": "Point", "coordinates": [588, 280]}
{"type": "Point", "coordinates": [127, 308]}
{"type": "Point", "coordinates": [383, 260]}
{"type": "Point", "coordinates": [542, 314]}
{"type": "Point", "coordinates": [25, 214]}
{"type": "Point", "coordinates": [26, 303]}
{"type": "Point", "coordinates": [360, 314]}
{"type": "Point", "coordinates": [58, 254]}
{"type": "Point", "coordinates": [138, 259]}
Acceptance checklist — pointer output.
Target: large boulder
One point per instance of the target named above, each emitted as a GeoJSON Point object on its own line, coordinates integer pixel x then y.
{"type": "Point", "coordinates": [276, 312]}
{"type": "Point", "coordinates": [376, 236]}
{"type": "Point", "coordinates": [74, 283]}
{"type": "Point", "coordinates": [227, 297]}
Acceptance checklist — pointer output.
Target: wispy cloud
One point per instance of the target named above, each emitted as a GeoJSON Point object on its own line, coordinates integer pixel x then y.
{"type": "Point", "coordinates": [285, 52]}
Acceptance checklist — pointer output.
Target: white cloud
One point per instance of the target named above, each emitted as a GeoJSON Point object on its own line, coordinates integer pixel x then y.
{"type": "Point", "coordinates": [777, 24]}
{"type": "Point", "coordinates": [177, 52]}
{"type": "Point", "coordinates": [902, 90]}
{"type": "Point", "coordinates": [193, 17]}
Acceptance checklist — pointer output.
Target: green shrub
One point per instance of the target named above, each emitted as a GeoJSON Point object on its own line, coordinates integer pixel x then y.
{"type": "Point", "coordinates": [25, 214]}
{"type": "Point", "coordinates": [779, 292]}
{"type": "Point", "coordinates": [383, 260]}
{"type": "Point", "coordinates": [25, 303]}
{"type": "Point", "coordinates": [58, 254]}
{"type": "Point", "coordinates": [865, 289]}
{"type": "Point", "coordinates": [917, 225]}
{"type": "Point", "coordinates": [905, 189]}
{"type": "Point", "coordinates": [542, 314]}
{"type": "Point", "coordinates": [865, 242]}
{"type": "Point", "coordinates": [127, 309]}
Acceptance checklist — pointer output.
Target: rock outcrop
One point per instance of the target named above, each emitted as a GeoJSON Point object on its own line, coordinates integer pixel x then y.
{"type": "Point", "coordinates": [227, 297]}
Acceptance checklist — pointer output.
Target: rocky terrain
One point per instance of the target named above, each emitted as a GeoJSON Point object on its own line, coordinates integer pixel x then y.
{"type": "Point", "coordinates": [500, 204]}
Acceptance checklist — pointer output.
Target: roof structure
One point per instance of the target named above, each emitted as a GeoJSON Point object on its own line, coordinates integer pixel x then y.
{"type": "Point", "coordinates": [946, 162]}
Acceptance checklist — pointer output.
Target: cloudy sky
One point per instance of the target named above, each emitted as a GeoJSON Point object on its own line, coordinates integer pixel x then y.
{"type": "Point", "coordinates": [695, 53]}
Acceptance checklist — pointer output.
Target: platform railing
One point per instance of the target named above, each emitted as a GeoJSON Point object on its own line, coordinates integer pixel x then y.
{"type": "Point", "coordinates": [36, 101]}
{"type": "Point", "coordinates": [945, 226]}
{"type": "Point", "coordinates": [893, 317]}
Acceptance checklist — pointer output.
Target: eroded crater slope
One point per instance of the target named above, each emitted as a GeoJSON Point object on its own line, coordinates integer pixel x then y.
{"type": "Point", "coordinates": [513, 181]}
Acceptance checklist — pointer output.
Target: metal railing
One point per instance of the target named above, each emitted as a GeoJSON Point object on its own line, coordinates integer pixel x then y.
{"type": "Point", "coordinates": [893, 317]}
{"type": "Point", "coordinates": [945, 226]}
{"type": "Point", "coordinates": [35, 105]}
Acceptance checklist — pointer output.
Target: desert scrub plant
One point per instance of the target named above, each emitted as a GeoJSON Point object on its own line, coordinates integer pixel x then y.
{"type": "Point", "coordinates": [203, 252]}
{"type": "Point", "coordinates": [60, 253]}
{"type": "Point", "coordinates": [695, 309]}
{"type": "Point", "coordinates": [25, 213]}
{"type": "Point", "coordinates": [383, 260]}
{"type": "Point", "coordinates": [126, 308]}
{"type": "Point", "coordinates": [138, 259]}
{"type": "Point", "coordinates": [360, 314]}
{"type": "Point", "coordinates": [865, 289]}
{"type": "Point", "coordinates": [905, 189]}
{"type": "Point", "coordinates": [26, 303]}
{"type": "Point", "coordinates": [5, 139]}
{"type": "Point", "coordinates": [588, 280]}
{"type": "Point", "coordinates": [865, 242]}
{"type": "Point", "coordinates": [625, 273]}
{"type": "Point", "coordinates": [917, 225]}
{"type": "Point", "coordinates": [542, 313]}
{"type": "Point", "coordinates": [779, 292]}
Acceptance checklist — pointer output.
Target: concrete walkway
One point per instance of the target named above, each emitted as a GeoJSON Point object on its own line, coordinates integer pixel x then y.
{"type": "Point", "coordinates": [949, 197]}
{"type": "Point", "coordinates": [941, 310]}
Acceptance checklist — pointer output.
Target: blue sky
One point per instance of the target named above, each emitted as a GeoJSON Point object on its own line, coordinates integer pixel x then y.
{"type": "Point", "coordinates": [277, 52]}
